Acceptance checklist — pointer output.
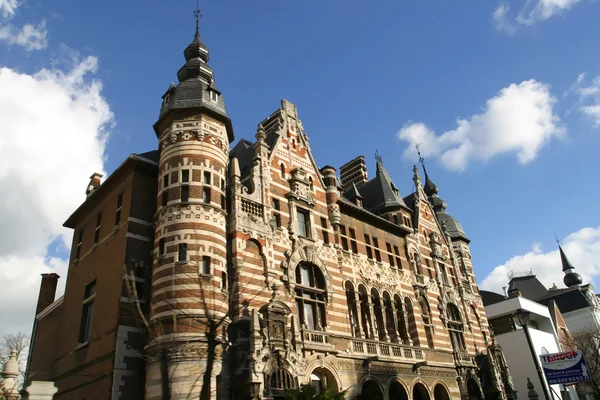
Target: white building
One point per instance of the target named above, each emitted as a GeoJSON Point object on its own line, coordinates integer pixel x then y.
{"type": "Point", "coordinates": [502, 315]}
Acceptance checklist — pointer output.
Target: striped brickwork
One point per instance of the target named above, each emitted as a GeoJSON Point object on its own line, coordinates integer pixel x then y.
{"type": "Point", "coordinates": [189, 279]}
{"type": "Point", "coordinates": [267, 248]}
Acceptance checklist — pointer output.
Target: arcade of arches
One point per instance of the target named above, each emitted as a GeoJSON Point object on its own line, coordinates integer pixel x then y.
{"type": "Point", "coordinates": [397, 391]}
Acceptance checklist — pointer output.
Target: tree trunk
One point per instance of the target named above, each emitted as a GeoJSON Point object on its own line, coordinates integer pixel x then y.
{"type": "Point", "coordinates": [205, 393]}
{"type": "Point", "coordinates": [164, 375]}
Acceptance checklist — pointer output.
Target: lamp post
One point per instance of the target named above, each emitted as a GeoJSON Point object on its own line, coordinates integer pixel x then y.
{"type": "Point", "coordinates": [523, 318]}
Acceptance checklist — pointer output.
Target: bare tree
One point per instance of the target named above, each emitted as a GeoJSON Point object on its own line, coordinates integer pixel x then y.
{"type": "Point", "coordinates": [214, 325]}
{"type": "Point", "coordinates": [588, 341]}
{"type": "Point", "coordinates": [18, 342]}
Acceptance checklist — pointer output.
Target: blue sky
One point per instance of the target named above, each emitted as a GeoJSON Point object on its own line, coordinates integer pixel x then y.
{"type": "Point", "coordinates": [365, 76]}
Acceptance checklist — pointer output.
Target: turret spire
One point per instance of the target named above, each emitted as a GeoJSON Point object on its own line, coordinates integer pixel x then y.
{"type": "Point", "coordinates": [571, 278]}
{"type": "Point", "coordinates": [430, 188]}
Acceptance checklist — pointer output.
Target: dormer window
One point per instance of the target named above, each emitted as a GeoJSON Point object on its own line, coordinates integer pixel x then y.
{"type": "Point", "coordinates": [214, 96]}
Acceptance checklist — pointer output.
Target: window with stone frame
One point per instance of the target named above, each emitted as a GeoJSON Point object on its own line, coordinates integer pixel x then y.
{"type": "Point", "coordinates": [277, 212]}
{"type": "Point", "coordinates": [98, 224]}
{"type": "Point", "coordinates": [324, 231]}
{"type": "Point", "coordinates": [390, 255]}
{"type": "Point", "coordinates": [443, 274]}
{"type": "Point", "coordinates": [376, 249]}
{"type": "Point", "coordinates": [353, 244]}
{"type": "Point", "coordinates": [303, 222]}
{"type": "Point", "coordinates": [368, 247]}
{"type": "Point", "coordinates": [397, 255]}
{"type": "Point", "coordinates": [310, 296]}
{"type": "Point", "coordinates": [427, 322]}
{"type": "Point", "coordinates": [343, 237]}
{"type": "Point", "coordinates": [455, 327]}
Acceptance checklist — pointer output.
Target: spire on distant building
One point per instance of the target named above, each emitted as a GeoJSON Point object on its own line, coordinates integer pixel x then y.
{"type": "Point", "coordinates": [572, 278]}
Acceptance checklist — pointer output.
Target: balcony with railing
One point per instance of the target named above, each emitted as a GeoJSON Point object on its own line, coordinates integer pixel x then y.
{"type": "Point", "coordinates": [385, 349]}
{"type": "Point", "coordinates": [252, 208]}
{"type": "Point", "coordinates": [316, 340]}
{"type": "Point", "coordinates": [463, 358]}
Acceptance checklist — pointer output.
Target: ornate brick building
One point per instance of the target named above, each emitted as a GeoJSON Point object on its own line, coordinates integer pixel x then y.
{"type": "Point", "coordinates": [264, 269]}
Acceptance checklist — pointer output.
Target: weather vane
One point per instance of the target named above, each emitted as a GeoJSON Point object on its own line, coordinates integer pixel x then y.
{"type": "Point", "coordinates": [197, 13]}
{"type": "Point", "coordinates": [421, 159]}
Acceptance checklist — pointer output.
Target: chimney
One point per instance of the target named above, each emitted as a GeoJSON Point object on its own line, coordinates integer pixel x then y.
{"type": "Point", "coordinates": [94, 183]}
{"type": "Point", "coordinates": [514, 293]}
{"type": "Point", "coordinates": [47, 291]}
{"type": "Point", "coordinates": [354, 171]}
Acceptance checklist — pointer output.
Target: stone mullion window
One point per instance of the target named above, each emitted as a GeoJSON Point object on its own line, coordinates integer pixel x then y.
{"type": "Point", "coordinates": [343, 237]}
{"type": "Point", "coordinates": [353, 244]}
{"type": "Point", "coordinates": [455, 328]}
{"type": "Point", "coordinates": [310, 297]}
{"type": "Point", "coordinates": [376, 249]}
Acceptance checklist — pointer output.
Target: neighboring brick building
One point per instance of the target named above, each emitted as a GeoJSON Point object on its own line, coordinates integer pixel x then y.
{"type": "Point", "coordinates": [265, 269]}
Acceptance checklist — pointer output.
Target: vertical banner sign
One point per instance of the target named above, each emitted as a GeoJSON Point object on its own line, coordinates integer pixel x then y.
{"type": "Point", "coordinates": [567, 367]}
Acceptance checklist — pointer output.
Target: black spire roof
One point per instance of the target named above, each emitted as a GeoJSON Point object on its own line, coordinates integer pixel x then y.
{"type": "Point", "coordinates": [196, 87]}
{"type": "Point", "coordinates": [380, 194]}
{"type": "Point", "coordinates": [566, 264]}
{"type": "Point", "coordinates": [571, 278]}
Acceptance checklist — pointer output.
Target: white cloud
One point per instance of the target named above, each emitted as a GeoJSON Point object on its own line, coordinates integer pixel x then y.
{"type": "Point", "coordinates": [582, 248]}
{"type": "Point", "coordinates": [52, 138]}
{"type": "Point", "coordinates": [30, 37]}
{"type": "Point", "coordinates": [539, 10]}
{"type": "Point", "coordinates": [531, 12]}
{"type": "Point", "coordinates": [519, 119]}
{"type": "Point", "coordinates": [9, 7]}
{"type": "Point", "coordinates": [588, 102]}
{"type": "Point", "coordinates": [501, 19]}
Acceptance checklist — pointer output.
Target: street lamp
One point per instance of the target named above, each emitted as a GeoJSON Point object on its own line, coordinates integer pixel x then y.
{"type": "Point", "coordinates": [522, 318]}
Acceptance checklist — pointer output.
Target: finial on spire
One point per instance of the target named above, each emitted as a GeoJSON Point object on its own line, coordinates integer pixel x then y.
{"type": "Point", "coordinates": [556, 237]}
{"type": "Point", "coordinates": [378, 157]}
{"type": "Point", "coordinates": [421, 159]}
{"type": "Point", "coordinates": [197, 15]}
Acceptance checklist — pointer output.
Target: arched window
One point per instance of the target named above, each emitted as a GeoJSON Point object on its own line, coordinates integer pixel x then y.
{"type": "Point", "coordinates": [377, 310]}
{"type": "Point", "coordinates": [426, 316]}
{"type": "Point", "coordinates": [352, 310]}
{"type": "Point", "coordinates": [365, 313]}
{"type": "Point", "coordinates": [412, 323]}
{"type": "Point", "coordinates": [311, 185]}
{"type": "Point", "coordinates": [279, 381]}
{"type": "Point", "coordinates": [401, 319]}
{"type": "Point", "coordinates": [282, 170]}
{"type": "Point", "coordinates": [310, 296]}
{"type": "Point", "coordinates": [456, 327]}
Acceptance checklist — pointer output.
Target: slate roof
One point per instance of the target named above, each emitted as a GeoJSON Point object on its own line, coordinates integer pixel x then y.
{"type": "Point", "coordinates": [244, 153]}
{"type": "Point", "coordinates": [567, 300]}
{"type": "Point", "coordinates": [490, 298]}
{"type": "Point", "coordinates": [380, 194]}
{"type": "Point", "coordinates": [529, 286]}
